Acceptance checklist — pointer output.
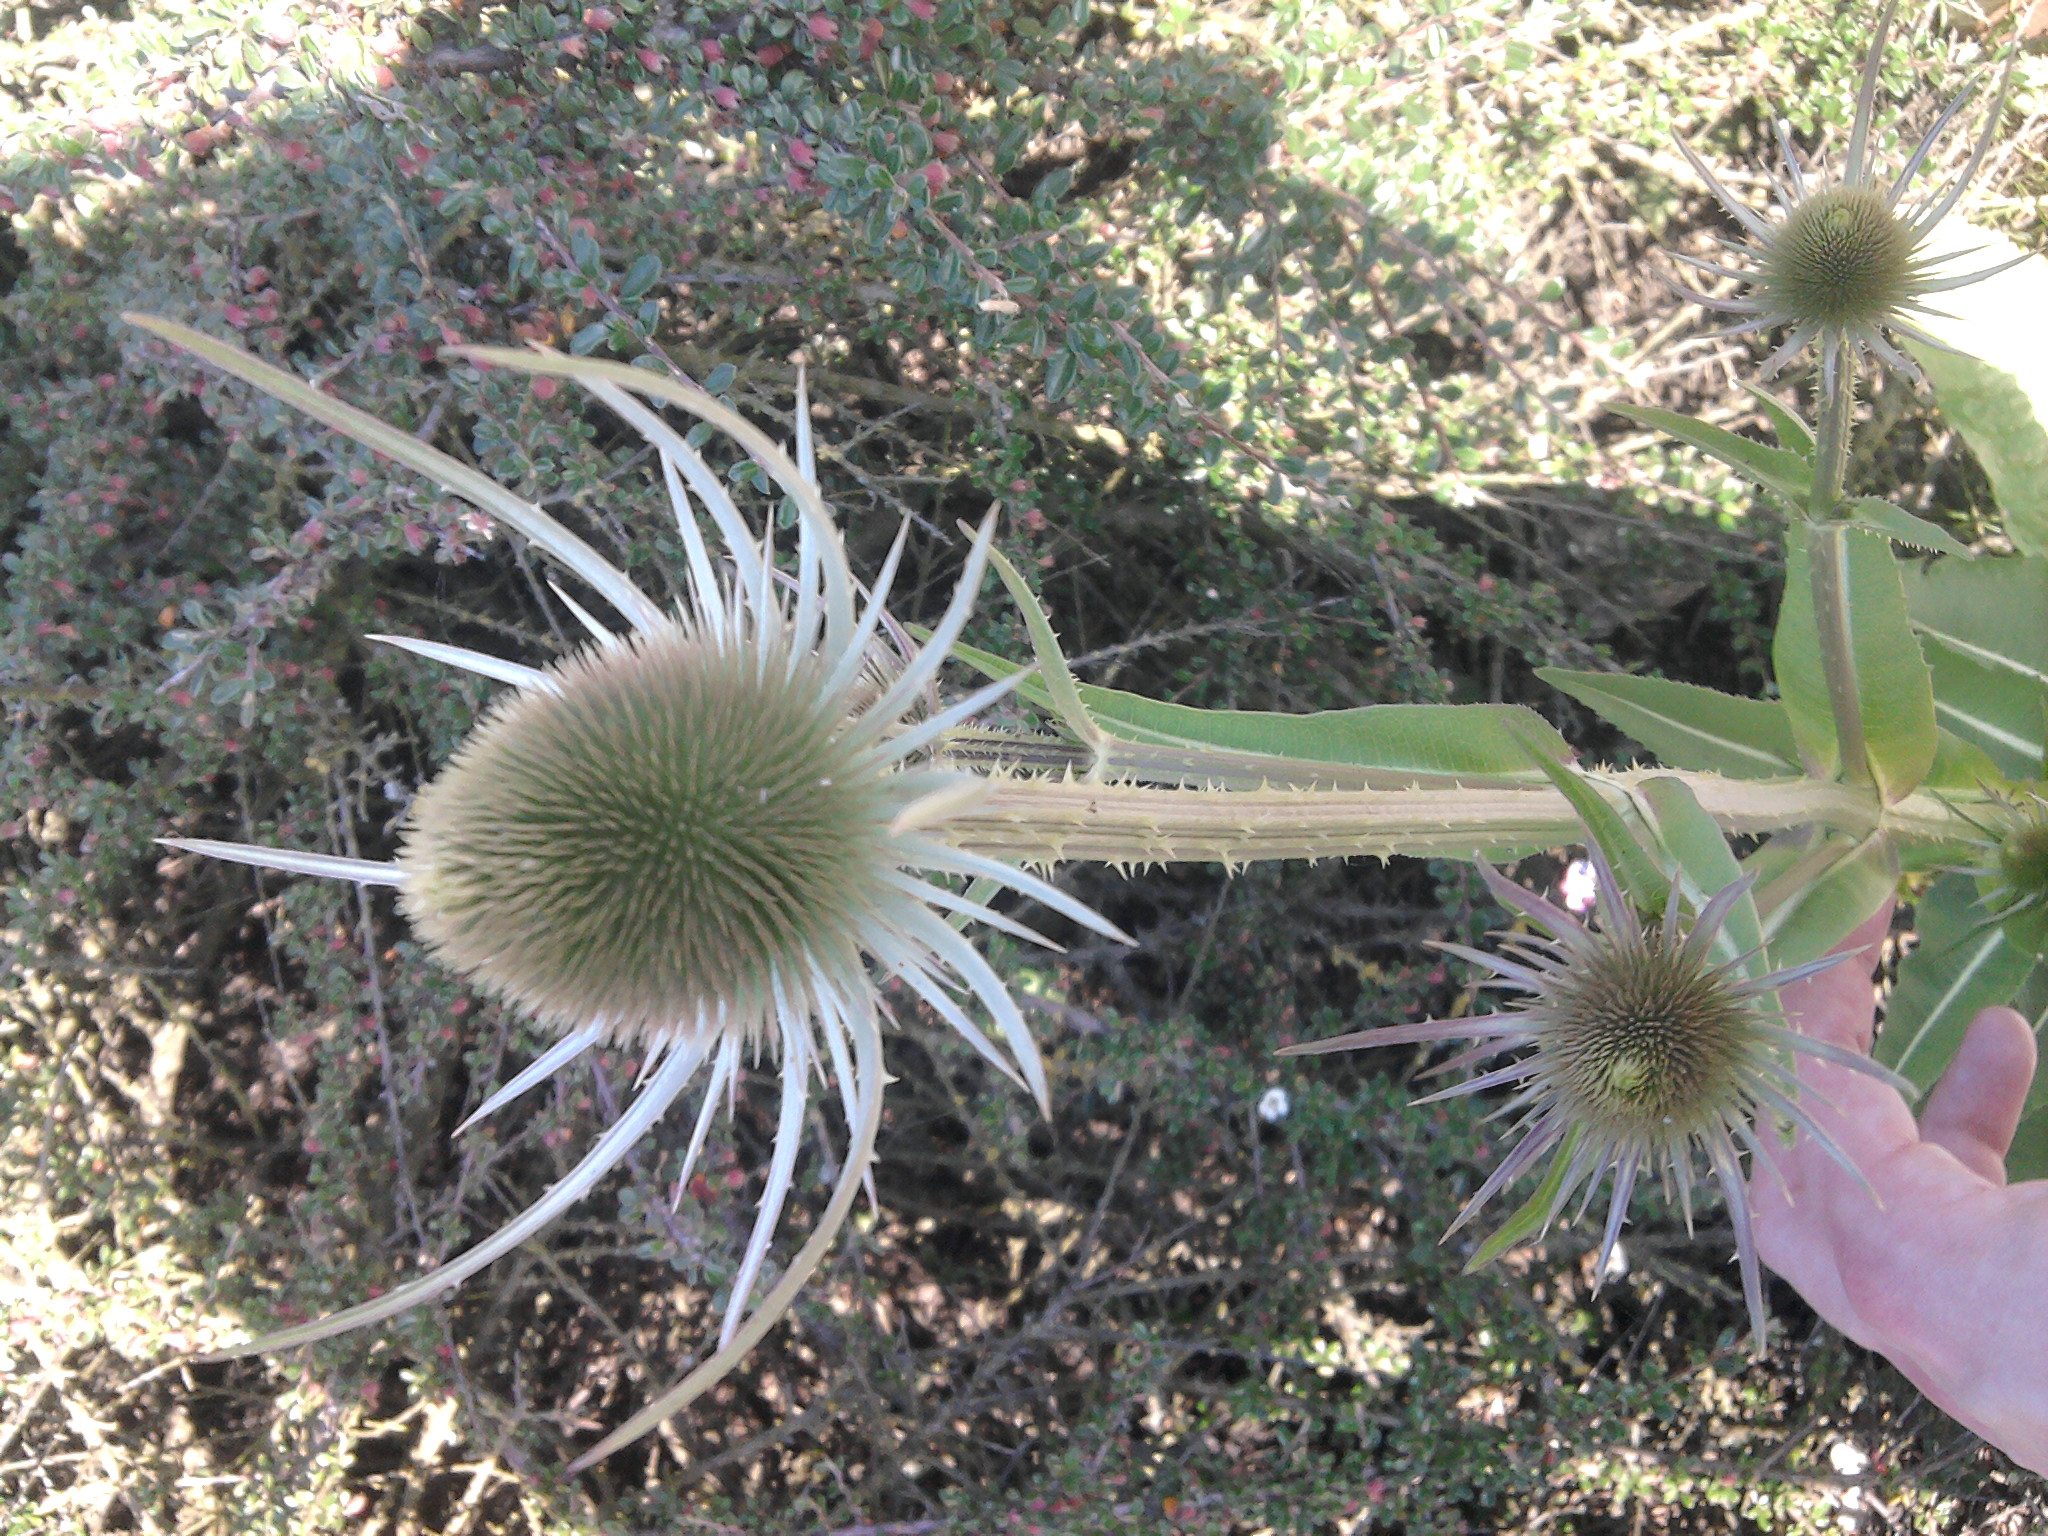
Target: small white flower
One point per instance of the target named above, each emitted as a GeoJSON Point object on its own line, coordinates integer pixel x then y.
{"type": "Point", "coordinates": [1848, 1458]}
{"type": "Point", "coordinates": [1274, 1105]}
{"type": "Point", "coordinates": [707, 837]}
{"type": "Point", "coordinates": [1579, 887]}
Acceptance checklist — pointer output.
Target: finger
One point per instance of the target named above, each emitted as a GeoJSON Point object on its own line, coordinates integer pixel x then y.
{"type": "Point", "coordinates": [1976, 1106]}
{"type": "Point", "coordinates": [1839, 1005]}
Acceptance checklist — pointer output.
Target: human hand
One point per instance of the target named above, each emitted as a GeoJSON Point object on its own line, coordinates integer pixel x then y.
{"type": "Point", "coordinates": [1947, 1277]}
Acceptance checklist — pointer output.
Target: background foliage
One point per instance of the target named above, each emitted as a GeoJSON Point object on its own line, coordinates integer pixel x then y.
{"type": "Point", "coordinates": [1284, 332]}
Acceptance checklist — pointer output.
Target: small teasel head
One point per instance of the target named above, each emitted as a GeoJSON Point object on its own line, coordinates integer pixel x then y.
{"type": "Point", "coordinates": [1642, 1044]}
{"type": "Point", "coordinates": [1842, 261]}
{"type": "Point", "coordinates": [1841, 256]}
{"type": "Point", "coordinates": [2012, 866]}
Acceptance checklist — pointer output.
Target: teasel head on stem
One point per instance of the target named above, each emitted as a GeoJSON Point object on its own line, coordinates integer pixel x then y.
{"type": "Point", "coordinates": [1842, 260]}
{"type": "Point", "coordinates": [1641, 1047]}
{"type": "Point", "coordinates": [2011, 864]}
{"type": "Point", "coordinates": [709, 837]}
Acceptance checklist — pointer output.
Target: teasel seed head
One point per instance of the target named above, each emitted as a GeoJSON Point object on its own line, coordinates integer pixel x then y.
{"type": "Point", "coordinates": [712, 835]}
{"type": "Point", "coordinates": [1841, 256]}
{"type": "Point", "coordinates": [1649, 1043]}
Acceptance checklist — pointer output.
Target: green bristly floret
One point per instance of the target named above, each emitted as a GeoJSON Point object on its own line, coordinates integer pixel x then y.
{"type": "Point", "coordinates": [1841, 257]}
{"type": "Point", "coordinates": [1648, 1044]}
{"type": "Point", "coordinates": [680, 826]}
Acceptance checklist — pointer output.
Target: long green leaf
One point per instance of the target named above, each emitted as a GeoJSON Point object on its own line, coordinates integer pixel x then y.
{"type": "Point", "coordinates": [1864, 631]}
{"type": "Point", "coordinates": [1643, 877]}
{"type": "Point", "coordinates": [1445, 740]}
{"type": "Point", "coordinates": [1777, 470]}
{"type": "Point", "coordinates": [1963, 963]}
{"type": "Point", "coordinates": [1403, 744]}
{"type": "Point", "coordinates": [2028, 1158]}
{"type": "Point", "coordinates": [1996, 394]}
{"type": "Point", "coordinates": [1826, 911]}
{"type": "Point", "coordinates": [1995, 612]}
{"type": "Point", "coordinates": [1997, 712]}
{"type": "Point", "coordinates": [1691, 836]}
{"type": "Point", "coordinates": [1960, 764]}
{"type": "Point", "coordinates": [1795, 662]}
{"type": "Point", "coordinates": [1688, 726]}
{"type": "Point", "coordinates": [1985, 628]}
{"type": "Point", "coordinates": [1794, 435]}
{"type": "Point", "coordinates": [1779, 855]}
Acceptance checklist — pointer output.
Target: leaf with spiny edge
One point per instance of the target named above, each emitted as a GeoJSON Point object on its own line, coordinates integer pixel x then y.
{"type": "Point", "coordinates": [1467, 744]}
{"type": "Point", "coordinates": [1778, 470]}
{"type": "Point", "coordinates": [1876, 515]}
{"type": "Point", "coordinates": [1688, 726]}
{"type": "Point", "coordinates": [1794, 435]}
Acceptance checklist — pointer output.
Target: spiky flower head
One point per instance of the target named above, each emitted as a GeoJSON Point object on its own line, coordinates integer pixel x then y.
{"type": "Point", "coordinates": [712, 834]}
{"type": "Point", "coordinates": [1839, 261]}
{"type": "Point", "coordinates": [1640, 1047]}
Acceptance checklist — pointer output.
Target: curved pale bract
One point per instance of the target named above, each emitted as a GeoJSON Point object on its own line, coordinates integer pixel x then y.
{"type": "Point", "coordinates": [811, 646]}
{"type": "Point", "coordinates": [796, 1065]}
{"type": "Point", "coordinates": [867, 1048]}
{"type": "Point", "coordinates": [494, 667]}
{"type": "Point", "coordinates": [452, 475]}
{"type": "Point", "coordinates": [924, 667]}
{"type": "Point", "coordinates": [543, 1067]}
{"type": "Point", "coordinates": [668, 1084]}
{"type": "Point", "coordinates": [838, 581]}
{"type": "Point", "coordinates": [591, 625]}
{"type": "Point", "coordinates": [292, 862]}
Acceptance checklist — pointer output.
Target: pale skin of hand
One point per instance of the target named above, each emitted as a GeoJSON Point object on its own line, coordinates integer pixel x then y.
{"type": "Point", "coordinates": [1948, 1276]}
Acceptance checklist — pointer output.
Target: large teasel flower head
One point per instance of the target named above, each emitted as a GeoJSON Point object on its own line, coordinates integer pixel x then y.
{"type": "Point", "coordinates": [666, 831]}
{"type": "Point", "coordinates": [709, 835]}
{"type": "Point", "coordinates": [1642, 1045]}
{"type": "Point", "coordinates": [1842, 260]}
